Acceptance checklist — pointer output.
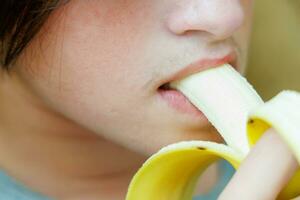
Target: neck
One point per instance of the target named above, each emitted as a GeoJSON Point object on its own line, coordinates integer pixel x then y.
{"type": "Point", "coordinates": [55, 156]}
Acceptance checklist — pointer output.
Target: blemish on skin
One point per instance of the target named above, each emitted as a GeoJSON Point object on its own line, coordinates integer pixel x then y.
{"type": "Point", "coordinates": [201, 148]}
{"type": "Point", "coordinates": [251, 121]}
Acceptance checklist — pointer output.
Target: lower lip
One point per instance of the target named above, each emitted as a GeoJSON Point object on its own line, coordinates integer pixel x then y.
{"type": "Point", "coordinates": [179, 102]}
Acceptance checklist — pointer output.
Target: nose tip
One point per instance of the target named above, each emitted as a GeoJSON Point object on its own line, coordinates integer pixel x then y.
{"type": "Point", "coordinates": [219, 18]}
{"type": "Point", "coordinates": [223, 26]}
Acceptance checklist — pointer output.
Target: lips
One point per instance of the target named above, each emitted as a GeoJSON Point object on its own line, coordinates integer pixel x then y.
{"type": "Point", "coordinates": [198, 66]}
{"type": "Point", "coordinates": [176, 99]}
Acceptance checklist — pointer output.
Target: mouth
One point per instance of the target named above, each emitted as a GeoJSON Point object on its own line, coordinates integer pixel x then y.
{"type": "Point", "coordinates": [176, 99]}
{"type": "Point", "coordinates": [165, 86]}
{"type": "Point", "coordinates": [199, 66]}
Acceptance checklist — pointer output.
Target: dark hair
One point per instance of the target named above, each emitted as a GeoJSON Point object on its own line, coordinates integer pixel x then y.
{"type": "Point", "coordinates": [20, 21]}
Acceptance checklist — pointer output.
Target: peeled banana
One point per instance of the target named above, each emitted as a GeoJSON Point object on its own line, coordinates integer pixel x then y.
{"type": "Point", "coordinates": [239, 114]}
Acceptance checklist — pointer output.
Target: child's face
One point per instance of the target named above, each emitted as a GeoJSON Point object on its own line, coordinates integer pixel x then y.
{"type": "Point", "coordinates": [100, 63]}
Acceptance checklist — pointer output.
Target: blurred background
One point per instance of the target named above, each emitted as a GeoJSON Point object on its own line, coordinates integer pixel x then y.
{"type": "Point", "coordinates": [274, 62]}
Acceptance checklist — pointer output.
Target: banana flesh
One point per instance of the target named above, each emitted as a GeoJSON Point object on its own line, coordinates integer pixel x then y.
{"type": "Point", "coordinates": [239, 114]}
{"type": "Point", "coordinates": [226, 108]}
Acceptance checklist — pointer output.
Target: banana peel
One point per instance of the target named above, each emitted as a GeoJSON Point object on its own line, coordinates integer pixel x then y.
{"type": "Point", "coordinates": [239, 114]}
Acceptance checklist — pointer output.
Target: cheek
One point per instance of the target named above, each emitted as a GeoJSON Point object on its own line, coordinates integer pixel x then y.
{"type": "Point", "coordinates": [93, 29]}
{"type": "Point", "coordinates": [248, 9]}
{"type": "Point", "coordinates": [242, 37]}
{"type": "Point", "coordinates": [89, 55]}
{"type": "Point", "coordinates": [91, 42]}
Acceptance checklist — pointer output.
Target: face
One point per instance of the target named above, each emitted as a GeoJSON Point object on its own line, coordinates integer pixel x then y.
{"type": "Point", "coordinates": [100, 63]}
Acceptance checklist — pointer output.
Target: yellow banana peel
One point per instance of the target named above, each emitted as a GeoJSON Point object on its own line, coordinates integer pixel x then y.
{"type": "Point", "coordinates": [239, 114]}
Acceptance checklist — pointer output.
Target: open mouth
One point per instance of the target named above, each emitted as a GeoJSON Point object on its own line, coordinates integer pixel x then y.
{"type": "Point", "coordinates": [178, 101]}
{"type": "Point", "coordinates": [165, 86]}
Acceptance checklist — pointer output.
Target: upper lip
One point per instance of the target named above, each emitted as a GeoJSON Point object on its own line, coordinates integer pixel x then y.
{"type": "Point", "coordinates": [201, 65]}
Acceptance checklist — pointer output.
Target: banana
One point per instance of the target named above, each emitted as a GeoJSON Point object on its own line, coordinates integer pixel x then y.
{"type": "Point", "coordinates": [239, 114]}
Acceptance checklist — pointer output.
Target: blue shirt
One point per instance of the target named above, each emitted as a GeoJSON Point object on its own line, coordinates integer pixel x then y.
{"type": "Point", "coordinates": [10, 189]}
{"type": "Point", "coordinates": [226, 172]}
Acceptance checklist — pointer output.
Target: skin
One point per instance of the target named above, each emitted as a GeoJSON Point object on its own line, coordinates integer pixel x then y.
{"type": "Point", "coordinates": [84, 92]}
{"type": "Point", "coordinates": [250, 180]}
